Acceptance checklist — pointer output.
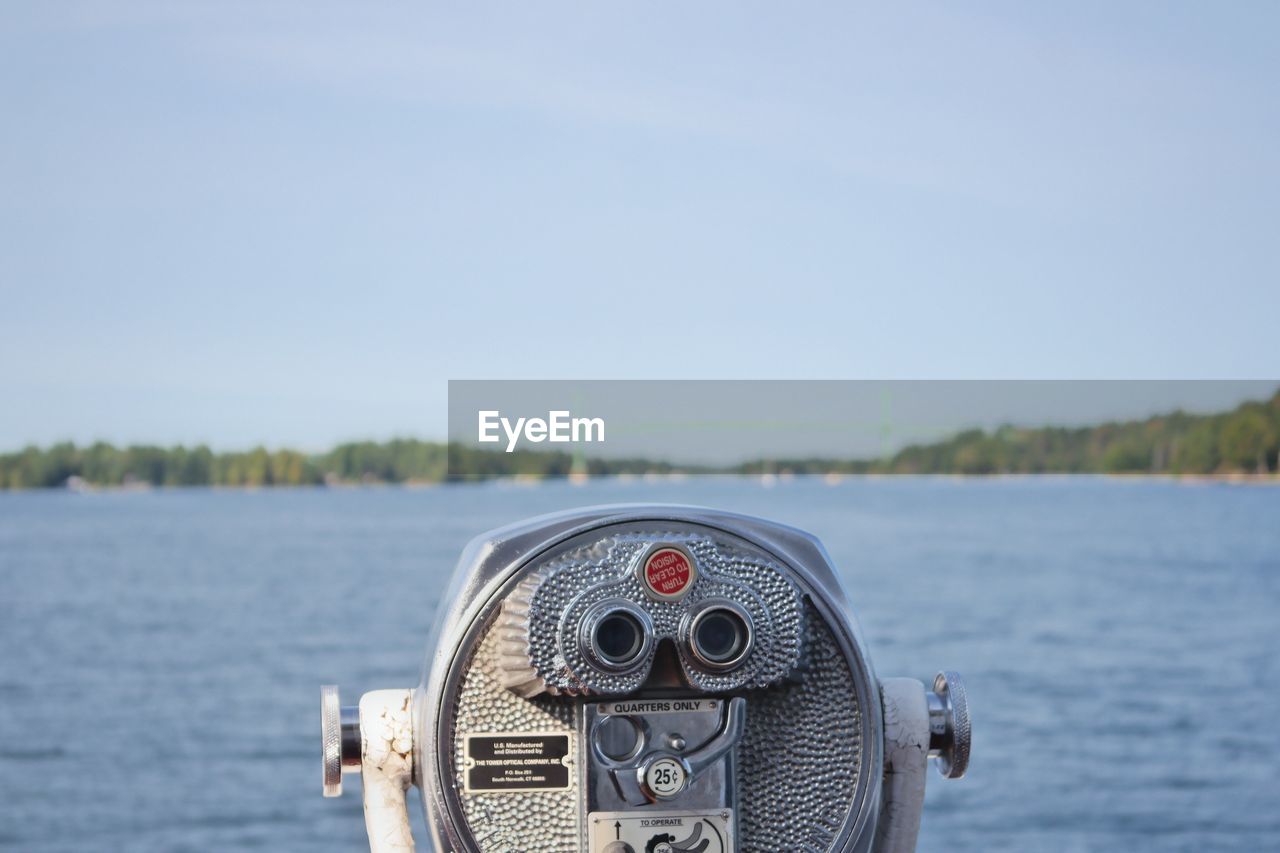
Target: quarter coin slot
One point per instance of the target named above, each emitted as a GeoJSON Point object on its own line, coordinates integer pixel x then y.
{"type": "Point", "coordinates": [617, 738]}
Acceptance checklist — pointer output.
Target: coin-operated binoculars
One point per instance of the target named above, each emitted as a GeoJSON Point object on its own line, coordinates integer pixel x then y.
{"type": "Point", "coordinates": [648, 679]}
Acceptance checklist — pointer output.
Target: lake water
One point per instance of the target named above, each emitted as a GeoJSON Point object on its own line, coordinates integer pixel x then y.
{"type": "Point", "coordinates": [163, 651]}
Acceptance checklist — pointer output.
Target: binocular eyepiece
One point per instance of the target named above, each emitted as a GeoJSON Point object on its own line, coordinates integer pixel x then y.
{"type": "Point", "coordinates": [617, 636]}
{"type": "Point", "coordinates": [719, 635]}
{"type": "Point", "coordinates": [649, 679]}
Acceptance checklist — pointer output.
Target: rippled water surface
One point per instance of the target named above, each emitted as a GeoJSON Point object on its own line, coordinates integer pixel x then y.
{"type": "Point", "coordinates": [162, 651]}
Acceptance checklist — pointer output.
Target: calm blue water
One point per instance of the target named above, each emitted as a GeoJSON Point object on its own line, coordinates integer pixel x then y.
{"type": "Point", "coordinates": [162, 652]}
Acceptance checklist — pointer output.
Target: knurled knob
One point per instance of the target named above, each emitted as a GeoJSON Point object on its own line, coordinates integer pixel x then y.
{"type": "Point", "coordinates": [331, 737]}
{"type": "Point", "coordinates": [949, 731]}
{"type": "Point", "coordinates": [340, 739]}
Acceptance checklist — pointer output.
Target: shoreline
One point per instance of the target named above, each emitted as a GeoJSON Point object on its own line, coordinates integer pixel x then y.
{"type": "Point", "coordinates": [765, 480]}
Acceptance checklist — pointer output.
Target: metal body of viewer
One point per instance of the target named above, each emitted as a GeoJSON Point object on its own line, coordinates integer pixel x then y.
{"type": "Point", "coordinates": [648, 679]}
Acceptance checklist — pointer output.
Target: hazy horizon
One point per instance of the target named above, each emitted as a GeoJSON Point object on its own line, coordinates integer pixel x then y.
{"type": "Point", "coordinates": [728, 428]}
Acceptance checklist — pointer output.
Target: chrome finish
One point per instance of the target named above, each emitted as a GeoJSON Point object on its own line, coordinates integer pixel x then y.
{"type": "Point", "coordinates": [351, 747]}
{"type": "Point", "coordinates": [735, 722]}
{"type": "Point", "coordinates": [340, 737]}
{"type": "Point", "coordinates": [618, 739]}
{"type": "Point", "coordinates": [541, 614]}
{"type": "Point", "coordinates": [331, 738]}
{"type": "Point", "coordinates": [689, 632]}
{"type": "Point", "coordinates": [629, 775]}
{"type": "Point", "coordinates": [490, 569]}
{"type": "Point", "coordinates": [598, 614]}
{"type": "Point", "coordinates": [949, 731]}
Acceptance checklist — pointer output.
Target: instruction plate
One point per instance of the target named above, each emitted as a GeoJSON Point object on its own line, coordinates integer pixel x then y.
{"type": "Point", "coordinates": [662, 832]}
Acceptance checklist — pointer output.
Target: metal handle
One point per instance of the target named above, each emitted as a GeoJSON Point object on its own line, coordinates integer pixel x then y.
{"type": "Point", "coordinates": [381, 751]}
{"type": "Point", "coordinates": [735, 723]}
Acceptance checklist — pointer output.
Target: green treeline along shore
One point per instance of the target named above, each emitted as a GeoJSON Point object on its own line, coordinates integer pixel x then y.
{"type": "Point", "coordinates": [1242, 442]}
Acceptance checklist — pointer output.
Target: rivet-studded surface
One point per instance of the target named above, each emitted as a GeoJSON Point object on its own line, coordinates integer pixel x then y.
{"type": "Point", "coordinates": [541, 650]}
{"type": "Point", "coordinates": [532, 822]}
{"type": "Point", "coordinates": [798, 764]}
{"type": "Point", "coordinates": [799, 761]}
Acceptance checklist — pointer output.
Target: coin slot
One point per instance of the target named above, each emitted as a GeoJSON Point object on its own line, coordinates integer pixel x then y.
{"type": "Point", "coordinates": [618, 738]}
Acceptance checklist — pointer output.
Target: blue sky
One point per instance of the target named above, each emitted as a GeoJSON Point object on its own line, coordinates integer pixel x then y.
{"type": "Point", "coordinates": [291, 222]}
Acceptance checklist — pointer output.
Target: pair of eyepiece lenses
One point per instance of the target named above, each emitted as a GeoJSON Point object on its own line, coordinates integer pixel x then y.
{"type": "Point", "coordinates": [617, 636]}
{"type": "Point", "coordinates": [720, 637]}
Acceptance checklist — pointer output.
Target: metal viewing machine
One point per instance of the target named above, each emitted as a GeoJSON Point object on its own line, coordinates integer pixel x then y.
{"type": "Point", "coordinates": [648, 679]}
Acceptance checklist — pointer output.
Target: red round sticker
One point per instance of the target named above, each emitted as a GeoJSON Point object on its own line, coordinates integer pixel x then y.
{"type": "Point", "coordinates": [668, 572]}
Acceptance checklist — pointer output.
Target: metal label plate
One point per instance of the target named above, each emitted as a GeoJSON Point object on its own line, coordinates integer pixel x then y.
{"type": "Point", "coordinates": [645, 707]}
{"type": "Point", "coordinates": [661, 832]}
{"type": "Point", "coordinates": [517, 762]}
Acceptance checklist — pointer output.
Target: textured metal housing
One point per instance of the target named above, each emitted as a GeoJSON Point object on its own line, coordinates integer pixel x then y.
{"type": "Point", "coordinates": [541, 621]}
{"type": "Point", "coordinates": [810, 762]}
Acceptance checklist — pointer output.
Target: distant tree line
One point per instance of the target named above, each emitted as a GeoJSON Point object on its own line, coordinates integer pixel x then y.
{"type": "Point", "coordinates": [1244, 440]}
{"type": "Point", "coordinates": [397, 461]}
